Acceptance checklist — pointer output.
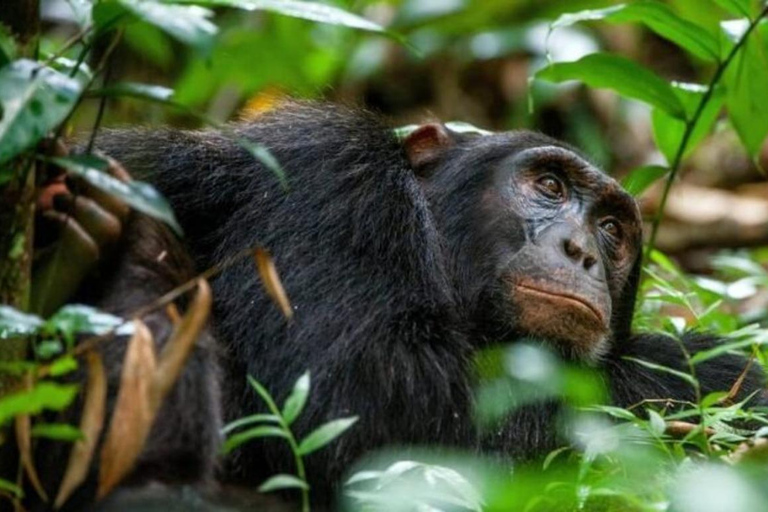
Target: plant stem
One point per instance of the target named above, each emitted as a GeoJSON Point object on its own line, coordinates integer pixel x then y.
{"type": "Point", "coordinates": [690, 126]}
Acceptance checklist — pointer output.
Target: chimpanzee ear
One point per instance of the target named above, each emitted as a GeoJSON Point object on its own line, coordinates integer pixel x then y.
{"type": "Point", "coordinates": [425, 145]}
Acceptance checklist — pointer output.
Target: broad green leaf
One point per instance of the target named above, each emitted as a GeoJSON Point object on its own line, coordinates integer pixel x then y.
{"type": "Point", "coordinates": [622, 75]}
{"type": "Point", "coordinates": [736, 7]}
{"type": "Point", "coordinates": [294, 404]}
{"type": "Point", "coordinates": [325, 434]}
{"type": "Point", "coordinates": [254, 433]}
{"type": "Point", "coordinates": [638, 181]}
{"type": "Point", "coordinates": [657, 17]}
{"type": "Point", "coordinates": [33, 101]}
{"type": "Point", "coordinates": [746, 80]}
{"type": "Point", "coordinates": [189, 24]}
{"type": "Point", "coordinates": [668, 131]}
{"type": "Point", "coordinates": [305, 10]}
{"type": "Point", "coordinates": [14, 323]}
{"type": "Point", "coordinates": [58, 431]}
{"type": "Point", "coordinates": [44, 395]}
{"type": "Point", "coordinates": [141, 196]}
{"type": "Point", "coordinates": [148, 92]}
{"type": "Point", "coordinates": [249, 420]}
{"type": "Point", "coordinates": [279, 482]}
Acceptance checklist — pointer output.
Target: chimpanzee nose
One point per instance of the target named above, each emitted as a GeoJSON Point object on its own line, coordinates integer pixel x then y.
{"type": "Point", "coordinates": [577, 251]}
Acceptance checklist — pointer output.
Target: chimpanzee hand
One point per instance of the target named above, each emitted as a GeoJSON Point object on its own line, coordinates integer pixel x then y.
{"type": "Point", "coordinates": [76, 226]}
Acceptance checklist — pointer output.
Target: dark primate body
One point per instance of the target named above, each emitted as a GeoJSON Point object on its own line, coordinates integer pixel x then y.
{"type": "Point", "coordinates": [401, 260]}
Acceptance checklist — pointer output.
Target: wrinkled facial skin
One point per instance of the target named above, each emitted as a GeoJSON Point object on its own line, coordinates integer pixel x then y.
{"type": "Point", "coordinates": [582, 238]}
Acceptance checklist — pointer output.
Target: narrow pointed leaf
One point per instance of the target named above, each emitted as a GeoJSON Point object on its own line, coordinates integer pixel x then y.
{"type": "Point", "coordinates": [638, 181]}
{"type": "Point", "coordinates": [294, 404]}
{"type": "Point", "coordinates": [271, 281]}
{"type": "Point", "coordinates": [325, 434]}
{"type": "Point", "coordinates": [279, 482]}
{"type": "Point", "coordinates": [249, 420]}
{"type": "Point", "coordinates": [254, 433]}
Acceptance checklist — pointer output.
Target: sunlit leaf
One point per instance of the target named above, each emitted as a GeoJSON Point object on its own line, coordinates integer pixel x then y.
{"type": "Point", "coordinates": [620, 74]}
{"type": "Point", "coordinates": [34, 99]}
{"type": "Point", "coordinates": [659, 18]}
{"type": "Point", "coordinates": [58, 431]}
{"type": "Point", "coordinates": [668, 131]}
{"type": "Point", "coordinates": [14, 323]}
{"type": "Point", "coordinates": [149, 92]}
{"type": "Point", "coordinates": [141, 196]}
{"type": "Point", "coordinates": [43, 396]}
{"type": "Point", "coordinates": [638, 181]}
{"type": "Point", "coordinates": [325, 434]}
{"type": "Point", "coordinates": [279, 482]}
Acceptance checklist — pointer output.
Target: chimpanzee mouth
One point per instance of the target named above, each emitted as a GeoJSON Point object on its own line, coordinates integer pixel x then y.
{"type": "Point", "coordinates": [574, 300]}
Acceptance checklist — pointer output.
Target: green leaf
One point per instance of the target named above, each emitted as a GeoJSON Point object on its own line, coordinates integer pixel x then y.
{"type": "Point", "coordinates": [254, 433]}
{"type": "Point", "coordinates": [148, 92]}
{"type": "Point", "coordinates": [14, 323]}
{"type": "Point", "coordinates": [746, 80]}
{"type": "Point", "coordinates": [263, 155]}
{"type": "Point", "coordinates": [11, 488]}
{"type": "Point", "coordinates": [141, 196]}
{"type": "Point", "coordinates": [34, 100]}
{"type": "Point", "coordinates": [325, 434]}
{"type": "Point", "coordinates": [659, 18]}
{"type": "Point", "coordinates": [736, 7]}
{"type": "Point", "coordinates": [80, 319]}
{"type": "Point", "coordinates": [45, 395]}
{"type": "Point", "coordinates": [656, 423]}
{"type": "Point", "coordinates": [664, 369]}
{"type": "Point", "coordinates": [58, 431]}
{"type": "Point", "coordinates": [296, 9]}
{"type": "Point", "coordinates": [7, 46]}
{"type": "Point", "coordinates": [189, 24]}
{"type": "Point", "coordinates": [294, 404]}
{"type": "Point", "coordinates": [668, 131]}
{"type": "Point", "coordinates": [622, 75]}
{"type": "Point", "coordinates": [283, 481]}
{"type": "Point", "coordinates": [638, 181]}
{"type": "Point", "coordinates": [62, 366]}
{"type": "Point", "coordinates": [249, 420]}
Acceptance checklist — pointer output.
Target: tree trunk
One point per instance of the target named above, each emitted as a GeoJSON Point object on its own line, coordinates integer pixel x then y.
{"type": "Point", "coordinates": [17, 196]}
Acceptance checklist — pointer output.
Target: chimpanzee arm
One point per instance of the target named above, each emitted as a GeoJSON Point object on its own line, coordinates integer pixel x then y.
{"type": "Point", "coordinates": [632, 382]}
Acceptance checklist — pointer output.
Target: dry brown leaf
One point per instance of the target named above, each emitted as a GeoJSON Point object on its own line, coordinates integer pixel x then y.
{"type": "Point", "coordinates": [271, 281]}
{"type": "Point", "coordinates": [133, 414]}
{"type": "Point", "coordinates": [176, 351]}
{"type": "Point", "coordinates": [173, 313]}
{"type": "Point", "coordinates": [91, 424]}
{"type": "Point", "coordinates": [23, 425]}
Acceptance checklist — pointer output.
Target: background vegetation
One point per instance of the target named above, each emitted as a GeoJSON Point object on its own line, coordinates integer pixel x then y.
{"type": "Point", "coordinates": [666, 96]}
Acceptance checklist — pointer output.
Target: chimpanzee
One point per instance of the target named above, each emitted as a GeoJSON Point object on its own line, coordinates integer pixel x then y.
{"type": "Point", "coordinates": [402, 257]}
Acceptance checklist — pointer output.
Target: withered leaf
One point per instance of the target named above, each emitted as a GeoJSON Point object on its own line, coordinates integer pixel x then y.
{"type": "Point", "coordinates": [23, 425]}
{"type": "Point", "coordinates": [271, 281]}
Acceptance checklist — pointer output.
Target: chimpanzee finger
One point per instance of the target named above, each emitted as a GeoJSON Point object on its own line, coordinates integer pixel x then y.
{"type": "Point", "coordinates": [60, 270]}
{"type": "Point", "coordinates": [102, 226]}
{"type": "Point", "coordinates": [107, 201]}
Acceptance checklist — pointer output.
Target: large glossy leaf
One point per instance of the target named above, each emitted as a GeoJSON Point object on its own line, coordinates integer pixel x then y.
{"type": "Point", "coordinates": [746, 80]}
{"type": "Point", "coordinates": [189, 24]}
{"type": "Point", "coordinates": [668, 131]}
{"type": "Point", "coordinates": [34, 99]}
{"type": "Point", "coordinates": [306, 10]}
{"type": "Point", "coordinates": [141, 196]}
{"type": "Point", "coordinates": [657, 17]}
{"type": "Point", "coordinates": [621, 75]}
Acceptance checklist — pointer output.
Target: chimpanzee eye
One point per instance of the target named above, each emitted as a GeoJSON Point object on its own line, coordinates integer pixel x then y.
{"type": "Point", "coordinates": [610, 226]}
{"type": "Point", "coordinates": [551, 187]}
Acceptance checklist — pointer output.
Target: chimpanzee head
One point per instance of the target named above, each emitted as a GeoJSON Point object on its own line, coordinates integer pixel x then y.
{"type": "Point", "coordinates": [540, 242]}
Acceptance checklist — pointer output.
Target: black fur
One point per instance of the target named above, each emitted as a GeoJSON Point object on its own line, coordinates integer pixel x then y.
{"type": "Point", "coordinates": [384, 271]}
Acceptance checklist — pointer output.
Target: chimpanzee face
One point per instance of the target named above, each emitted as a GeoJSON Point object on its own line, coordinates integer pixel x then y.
{"type": "Point", "coordinates": [540, 243]}
{"type": "Point", "coordinates": [582, 238]}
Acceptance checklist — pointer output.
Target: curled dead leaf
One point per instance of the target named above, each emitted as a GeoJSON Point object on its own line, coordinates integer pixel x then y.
{"type": "Point", "coordinates": [133, 414]}
{"type": "Point", "coordinates": [271, 281]}
{"type": "Point", "coordinates": [23, 425]}
{"type": "Point", "coordinates": [91, 424]}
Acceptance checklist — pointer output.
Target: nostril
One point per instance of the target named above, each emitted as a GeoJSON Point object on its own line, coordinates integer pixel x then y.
{"type": "Point", "coordinates": [589, 262]}
{"type": "Point", "coordinates": [572, 249]}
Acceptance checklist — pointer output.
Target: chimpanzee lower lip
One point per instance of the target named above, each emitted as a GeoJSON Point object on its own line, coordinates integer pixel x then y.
{"type": "Point", "coordinates": [566, 296]}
